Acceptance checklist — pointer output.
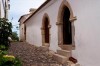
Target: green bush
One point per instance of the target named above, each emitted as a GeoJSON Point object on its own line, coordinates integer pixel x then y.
{"type": "Point", "coordinates": [17, 62]}
{"type": "Point", "coordinates": [5, 31]}
{"type": "Point", "coordinates": [14, 36]}
{"type": "Point", "coordinates": [9, 60]}
{"type": "Point", "coordinates": [3, 53]}
{"type": "Point", "coordinates": [3, 47]}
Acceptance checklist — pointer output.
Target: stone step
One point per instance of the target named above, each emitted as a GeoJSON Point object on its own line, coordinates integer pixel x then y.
{"type": "Point", "coordinates": [66, 47]}
{"type": "Point", "coordinates": [47, 44]}
{"type": "Point", "coordinates": [61, 59]}
{"type": "Point", "coordinates": [65, 53]}
{"type": "Point", "coordinates": [74, 65]}
{"type": "Point", "coordinates": [44, 48]}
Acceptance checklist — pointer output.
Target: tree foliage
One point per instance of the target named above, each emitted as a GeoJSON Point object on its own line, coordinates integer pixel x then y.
{"type": "Point", "coordinates": [5, 31]}
{"type": "Point", "coordinates": [14, 36]}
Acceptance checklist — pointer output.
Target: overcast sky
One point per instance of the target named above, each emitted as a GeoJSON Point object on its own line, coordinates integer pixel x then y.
{"type": "Point", "coordinates": [21, 7]}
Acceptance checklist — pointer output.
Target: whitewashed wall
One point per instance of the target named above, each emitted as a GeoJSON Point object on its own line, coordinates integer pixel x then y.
{"type": "Point", "coordinates": [34, 24]}
{"type": "Point", "coordinates": [22, 27]}
{"type": "Point", "coordinates": [87, 30]}
{"type": "Point", "coordinates": [1, 9]}
{"type": "Point", "coordinates": [21, 36]}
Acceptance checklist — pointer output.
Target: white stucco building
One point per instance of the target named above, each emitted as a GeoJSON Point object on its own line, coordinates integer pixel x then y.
{"type": "Point", "coordinates": [4, 7]}
{"type": "Point", "coordinates": [67, 26]}
{"type": "Point", "coordinates": [22, 27]}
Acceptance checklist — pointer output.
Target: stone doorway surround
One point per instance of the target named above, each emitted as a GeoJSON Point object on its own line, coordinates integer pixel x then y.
{"type": "Point", "coordinates": [65, 52]}
{"type": "Point", "coordinates": [59, 23]}
{"type": "Point", "coordinates": [43, 30]}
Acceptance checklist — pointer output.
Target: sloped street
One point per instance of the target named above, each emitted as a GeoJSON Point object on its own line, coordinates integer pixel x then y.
{"type": "Point", "coordinates": [31, 55]}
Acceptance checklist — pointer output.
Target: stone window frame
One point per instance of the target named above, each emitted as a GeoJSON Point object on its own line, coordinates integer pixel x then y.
{"type": "Point", "coordinates": [43, 30]}
{"type": "Point", "coordinates": [59, 23]}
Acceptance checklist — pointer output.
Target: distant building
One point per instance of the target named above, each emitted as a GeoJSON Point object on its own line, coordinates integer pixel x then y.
{"type": "Point", "coordinates": [22, 27]}
{"type": "Point", "coordinates": [4, 7]}
{"type": "Point", "coordinates": [70, 28]}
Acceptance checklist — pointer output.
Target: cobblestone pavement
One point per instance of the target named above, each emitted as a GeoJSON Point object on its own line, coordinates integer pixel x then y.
{"type": "Point", "coordinates": [31, 55]}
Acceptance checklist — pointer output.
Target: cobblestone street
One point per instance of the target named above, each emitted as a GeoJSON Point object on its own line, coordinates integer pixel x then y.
{"type": "Point", "coordinates": [31, 55]}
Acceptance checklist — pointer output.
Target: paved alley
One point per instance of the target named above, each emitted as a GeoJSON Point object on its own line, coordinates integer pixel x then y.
{"type": "Point", "coordinates": [31, 55]}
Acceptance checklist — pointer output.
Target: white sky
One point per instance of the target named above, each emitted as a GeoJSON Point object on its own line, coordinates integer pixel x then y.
{"type": "Point", "coordinates": [21, 7]}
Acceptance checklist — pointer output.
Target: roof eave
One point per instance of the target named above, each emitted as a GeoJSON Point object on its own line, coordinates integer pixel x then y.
{"type": "Point", "coordinates": [47, 1]}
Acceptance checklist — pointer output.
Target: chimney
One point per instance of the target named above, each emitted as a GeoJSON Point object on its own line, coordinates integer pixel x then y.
{"type": "Point", "coordinates": [32, 10]}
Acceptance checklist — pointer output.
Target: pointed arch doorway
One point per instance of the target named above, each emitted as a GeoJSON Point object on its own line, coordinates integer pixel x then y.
{"type": "Point", "coordinates": [66, 30]}
{"type": "Point", "coordinates": [45, 30]}
{"type": "Point", "coordinates": [66, 27]}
